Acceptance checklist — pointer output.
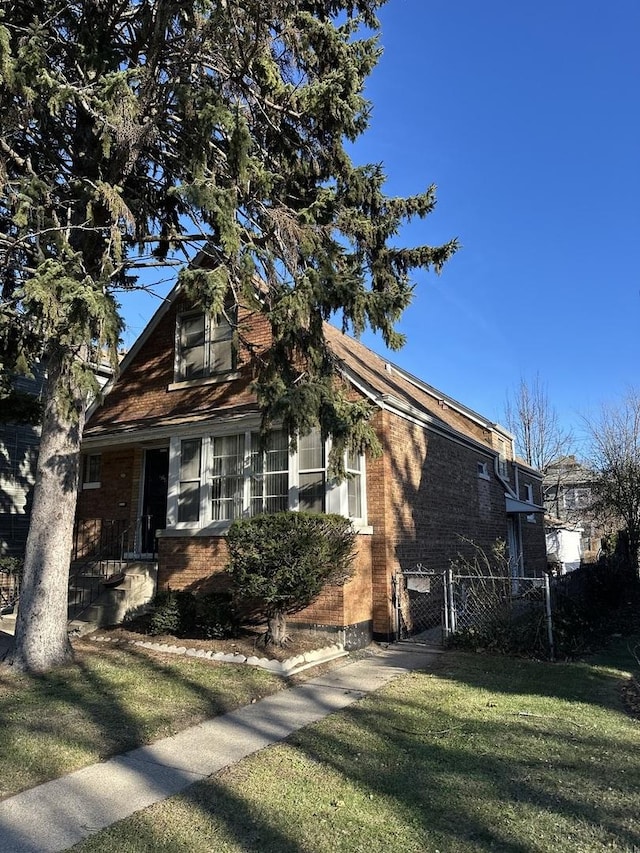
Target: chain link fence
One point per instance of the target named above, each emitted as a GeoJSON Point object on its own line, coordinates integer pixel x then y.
{"type": "Point", "coordinates": [434, 606]}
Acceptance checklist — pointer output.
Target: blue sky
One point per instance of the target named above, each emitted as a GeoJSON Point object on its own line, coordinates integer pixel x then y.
{"type": "Point", "coordinates": [527, 118]}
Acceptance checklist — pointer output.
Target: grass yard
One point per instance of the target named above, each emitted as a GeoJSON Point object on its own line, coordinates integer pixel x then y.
{"type": "Point", "coordinates": [486, 753]}
{"type": "Point", "coordinates": [111, 700]}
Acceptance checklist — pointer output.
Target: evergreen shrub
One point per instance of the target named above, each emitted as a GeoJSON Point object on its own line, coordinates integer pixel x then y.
{"type": "Point", "coordinates": [280, 562]}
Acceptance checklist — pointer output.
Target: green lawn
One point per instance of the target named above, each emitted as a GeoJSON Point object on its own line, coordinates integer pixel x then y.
{"type": "Point", "coordinates": [111, 700]}
{"type": "Point", "coordinates": [483, 754]}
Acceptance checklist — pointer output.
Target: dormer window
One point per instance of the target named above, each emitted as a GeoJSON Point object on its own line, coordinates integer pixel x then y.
{"type": "Point", "coordinates": [204, 346]}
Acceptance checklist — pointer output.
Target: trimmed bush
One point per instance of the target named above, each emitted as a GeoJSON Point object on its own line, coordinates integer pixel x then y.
{"type": "Point", "coordinates": [282, 561]}
{"type": "Point", "coordinates": [173, 613]}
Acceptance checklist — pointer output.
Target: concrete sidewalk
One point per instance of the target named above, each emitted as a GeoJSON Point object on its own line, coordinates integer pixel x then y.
{"type": "Point", "coordinates": [60, 813]}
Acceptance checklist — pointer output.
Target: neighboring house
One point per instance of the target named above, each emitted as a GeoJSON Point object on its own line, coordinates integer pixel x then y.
{"type": "Point", "coordinates": [19, 444]}
{"type": "Point", "coordinates": [172, 455]}
{"type": "Point", "coordinates": [568, 499]}
{"type": "Point", "coordinates": [564, 545]}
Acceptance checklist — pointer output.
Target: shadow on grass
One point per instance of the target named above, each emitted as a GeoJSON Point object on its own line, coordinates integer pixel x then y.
{"type": "Point", "coordinates": [109, 701]}
{"type": "Point", "coordinates": [457, 766]}
{"type": "Point", "coordinates": [435, 756]}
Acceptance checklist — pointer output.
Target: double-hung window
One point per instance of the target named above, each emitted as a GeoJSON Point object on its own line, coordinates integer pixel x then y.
{"type": "Point", "coordinates": [190, 476]}
{"type": "Point", "coordinates": [204, 346]}
{"type": "Point", "coordinates": [91, 465]}
{"type": "Point", "coordinates": [269, 474]}
{"type": "Point", "coordinates": [217, 478]}
{"type": "Point", "coordinates": [227, 473]}
{"type": "Point", "coordinates": [354, 485]}
{"type": "Point", "coordinates": [311, 472]}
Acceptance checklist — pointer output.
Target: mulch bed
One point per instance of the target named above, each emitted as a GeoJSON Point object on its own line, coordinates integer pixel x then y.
{"type": "Point", "coordinates": [250, 643]}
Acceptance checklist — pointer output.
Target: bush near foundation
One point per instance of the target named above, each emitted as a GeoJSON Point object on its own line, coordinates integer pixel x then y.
{"type": "Point", "coordinates": [197, 615]}
{"type": "Point", "coordinates": [281, 562]}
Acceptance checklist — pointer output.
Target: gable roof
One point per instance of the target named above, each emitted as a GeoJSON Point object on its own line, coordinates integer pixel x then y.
{"type": "Point", "coordinates": [391, 387]}
{"type": "Point", "coordinates": [387, 385]}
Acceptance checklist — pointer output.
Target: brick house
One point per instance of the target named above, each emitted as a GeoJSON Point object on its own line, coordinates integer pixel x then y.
{"type": "Point", "coordinates": [172, 455]}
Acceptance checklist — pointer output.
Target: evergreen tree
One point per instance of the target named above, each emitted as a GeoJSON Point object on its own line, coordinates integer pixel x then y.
{"type": "Point", "coordinates": [134, 131]}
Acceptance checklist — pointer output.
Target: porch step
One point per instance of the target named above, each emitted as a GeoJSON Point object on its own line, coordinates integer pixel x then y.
{"type": "Point", "coordinates": [110, 605]}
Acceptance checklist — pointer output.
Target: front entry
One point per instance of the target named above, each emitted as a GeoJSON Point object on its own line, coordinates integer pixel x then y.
{"type": "Point", "coordinates": [154, 497]}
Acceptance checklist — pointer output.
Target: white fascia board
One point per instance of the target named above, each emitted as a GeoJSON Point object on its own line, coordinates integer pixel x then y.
{"type": "Point", "coordinates": [184, 429]}
{"type": "Point", "coordinates": [142, 338]}
{"type": "Point", "coordinates": [389, 403]}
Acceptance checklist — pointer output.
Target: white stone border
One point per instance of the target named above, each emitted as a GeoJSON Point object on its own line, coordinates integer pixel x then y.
{"type": "Point", "coordinates": [291, 666]}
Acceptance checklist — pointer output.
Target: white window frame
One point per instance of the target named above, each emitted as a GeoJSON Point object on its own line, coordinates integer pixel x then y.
{"type": "Point", "coordinates": [212, 323]}
{"type": "Point", "coordinates": [483, 470]}
{"type": "Point", "coordinates": [86, 470]}
{"type": "Point", "coordinates": [528, 491]}
{"type": "Point", "coordinates": [336, 497]}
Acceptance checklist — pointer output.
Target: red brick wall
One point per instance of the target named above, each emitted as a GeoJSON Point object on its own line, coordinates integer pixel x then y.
{"type": "Point", "coordinates": [117, 497]}
{"type": "Point", "coordinates": [427, 504]}
{"type": "Point", "coordinates": [192, 562]}
{"type": "Point", "coordinates": [142, 396]}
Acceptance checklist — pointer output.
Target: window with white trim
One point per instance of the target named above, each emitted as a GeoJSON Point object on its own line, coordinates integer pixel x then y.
{"type": "Point", "coordinates": [483, 470]}
{"type": "Point", "coordinates": [528, 493]}
{"type": "Point", "coordinates": [576, 498]}
{"type": "Point", "coordinates": [226, 474]}
{"type": "Point", "coordinates": [355, 495]}
{"type": "Point", "coordinates": [91, 470]}
{"type": "Point", "coordinates": [269, 474]}
{"type": "Point", "coordinates": [311, 472]}
{"type": "Point", "coordinates": [204, 346]}
{"type": "Point", "coordinates": [190, 473]}
{"type": "Point", "coordinates": [217, 478]}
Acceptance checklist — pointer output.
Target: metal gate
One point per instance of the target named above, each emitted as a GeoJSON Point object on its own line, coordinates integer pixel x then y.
{"type": "Point", "coordinates": [430, 606]}
{"type": "Point", "coordinates": [421, 605]}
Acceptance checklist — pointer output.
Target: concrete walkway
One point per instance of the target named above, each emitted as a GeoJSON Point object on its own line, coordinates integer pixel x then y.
{"type": "Point", "coordinates": [60, 813]}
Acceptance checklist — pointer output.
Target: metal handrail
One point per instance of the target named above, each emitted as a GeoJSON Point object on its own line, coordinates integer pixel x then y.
{"type": "Point", "coordinates": [102, 552]}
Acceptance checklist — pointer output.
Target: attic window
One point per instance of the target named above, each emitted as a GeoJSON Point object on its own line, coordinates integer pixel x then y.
{"type": "Point", "coordinates": [204, 346]}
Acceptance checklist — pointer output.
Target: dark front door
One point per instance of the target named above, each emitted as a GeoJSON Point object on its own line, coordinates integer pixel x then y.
{"type": "Point", "coordinates": [154, 497]}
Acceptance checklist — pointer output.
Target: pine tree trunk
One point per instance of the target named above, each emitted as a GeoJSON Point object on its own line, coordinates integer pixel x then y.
{"type": "Point", "coordinates": [41, 640]}
{"type": "Point", "coordinates": [277, 629]}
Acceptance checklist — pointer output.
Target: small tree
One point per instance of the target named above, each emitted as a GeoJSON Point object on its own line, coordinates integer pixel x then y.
{"type": "Point", "coordinates": [615, 459]}
{"type": "Point", "coordinates": [281, 562]}
{"type": "Point", "coordinates": [540, 439]}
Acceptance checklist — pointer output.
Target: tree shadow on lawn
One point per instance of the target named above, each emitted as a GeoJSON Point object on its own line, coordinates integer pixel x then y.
{"type": "Point", "coordinates": [447, 768]}
{"type": "Point", "coordinates": [438, 787]}
{"type": "Point", "coordinates": [99, 720]}
{"type": "Point", "coordinates": [441, 776]}
{"type": "Point", "coordinates": [593, 681]}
